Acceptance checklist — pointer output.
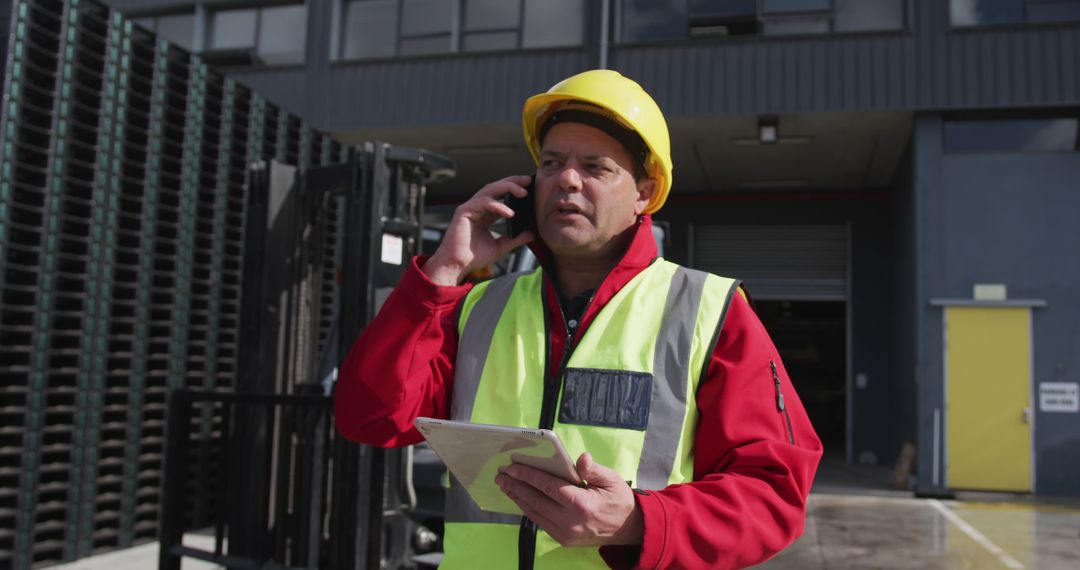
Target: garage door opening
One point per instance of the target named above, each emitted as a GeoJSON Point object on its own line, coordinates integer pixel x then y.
{"type": "Point", "coordinates": [811, 337]}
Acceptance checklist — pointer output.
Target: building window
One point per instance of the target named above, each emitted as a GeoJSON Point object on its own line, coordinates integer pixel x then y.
{"type": "Point", "coordinates": [233, 29]}
{"type": "Point", "coordinates": [370, 29]}
{"type": "Point", "coordinates": [647, 20]}
{"type": "Point", "coordinates": [425, 27]}
{"type": "Point", "coordinates": [491, 25]}
{"type": "Point", "coordinates": [258, 36]}
{"type": "Point", "coordinates": [1053, 10]}
{"type": "Point", "coordinates": [651, 21]}
{"type": "Point", "coordinates": [967, 13]}
{"type": "Point", "coordinates": [553, 23]}
{"type": "Point", "coordinates": [790, 17]}
{"type": "Point", "coordinates": [389, 28]}
{"type": "Point", "coordinates": [282, 34]}
{"type": "Point", "coordinates": [1011, 135]}
{"type": "Point", "coordinates": [178, 29]}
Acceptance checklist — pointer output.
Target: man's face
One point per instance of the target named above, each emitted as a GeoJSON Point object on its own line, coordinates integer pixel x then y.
{"type": "Point", "coordinates": [586, 195]}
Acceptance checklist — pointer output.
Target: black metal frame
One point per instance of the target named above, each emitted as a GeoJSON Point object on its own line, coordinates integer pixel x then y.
{"type": "Point", "coordinates": [327, 503]}
{"type": "Point", "coordinates": [296, 531]}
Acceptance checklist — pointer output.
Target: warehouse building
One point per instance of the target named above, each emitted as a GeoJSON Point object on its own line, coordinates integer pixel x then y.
{"type": "Point", "coordinates": [894, 180]}
{"type": "Point", "coordinates": [886, 176]}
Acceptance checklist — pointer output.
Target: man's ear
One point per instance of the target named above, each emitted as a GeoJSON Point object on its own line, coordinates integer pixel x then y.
{"type": "Point", "coordinates": [645, 189]}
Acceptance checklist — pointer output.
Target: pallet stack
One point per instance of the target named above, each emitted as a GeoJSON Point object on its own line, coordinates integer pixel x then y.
{"type": "Point", "coordinates": [123, 169]}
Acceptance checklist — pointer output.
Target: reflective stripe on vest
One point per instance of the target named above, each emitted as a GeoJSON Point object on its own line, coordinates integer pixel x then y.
{"type": "Point", "coordinates": [657, 331]}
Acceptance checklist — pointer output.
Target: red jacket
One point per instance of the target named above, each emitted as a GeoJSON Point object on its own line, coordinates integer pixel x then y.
{"type": "Point", "coordinates": [748, 498]}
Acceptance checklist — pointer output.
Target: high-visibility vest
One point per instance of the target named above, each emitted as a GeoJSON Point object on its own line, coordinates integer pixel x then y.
{"type": "Point", "coordinates": [627, 391]}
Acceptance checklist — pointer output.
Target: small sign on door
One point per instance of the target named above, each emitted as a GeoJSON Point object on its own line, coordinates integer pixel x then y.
{"type": "Point", "coordinates": [1059, 397]}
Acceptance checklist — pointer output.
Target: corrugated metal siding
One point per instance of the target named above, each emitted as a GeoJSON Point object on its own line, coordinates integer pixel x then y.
{"type": "Point", "coordinates": [777, 262]}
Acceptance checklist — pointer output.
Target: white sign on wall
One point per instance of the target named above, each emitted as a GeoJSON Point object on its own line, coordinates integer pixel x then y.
{"type": "Point", "coordinates": [1059, 397]}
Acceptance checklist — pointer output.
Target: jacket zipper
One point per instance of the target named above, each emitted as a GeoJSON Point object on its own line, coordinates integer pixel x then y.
{"type": "Point", "coordinates": [527, 532]}
{"type": "Point", "coordinates": [780, 402]}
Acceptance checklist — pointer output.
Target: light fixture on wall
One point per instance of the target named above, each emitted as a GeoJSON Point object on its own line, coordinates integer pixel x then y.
{"type": "Point", "coordinates": [768, 129]}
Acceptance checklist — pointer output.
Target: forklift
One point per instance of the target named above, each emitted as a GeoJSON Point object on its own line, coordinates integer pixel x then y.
{"type": "Point", "coordinates": [324, 246]}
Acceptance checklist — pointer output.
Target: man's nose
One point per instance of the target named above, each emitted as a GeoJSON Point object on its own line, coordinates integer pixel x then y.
{"type": "Point", "coordinates": [570, 179]}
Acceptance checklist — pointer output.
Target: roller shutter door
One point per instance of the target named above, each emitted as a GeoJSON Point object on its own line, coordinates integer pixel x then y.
{"type": "Point", "coordinates": [778, 262]}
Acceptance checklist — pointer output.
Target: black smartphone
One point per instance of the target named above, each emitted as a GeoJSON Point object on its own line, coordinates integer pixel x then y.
{"type": "Point", "coordinates": [524, 211]}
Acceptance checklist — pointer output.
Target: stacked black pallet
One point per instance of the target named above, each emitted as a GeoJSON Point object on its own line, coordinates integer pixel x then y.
{"type": "Point", "coordinates": [99, 125]}
{"type": "Point", "coordinates": [123, 170]}
{"type": "Point", "coordinates": [26, 224]}
{"type": "Point", "coordinates": [205, 98]}
{"type": "Point", "coordinates": [130, 348]}
{"type": "Point", "coordinates": [54, 260]}
{"type": "Point", "coordinates": [5, 23]}
{"type": "Point", "coordinates": [232, 181]}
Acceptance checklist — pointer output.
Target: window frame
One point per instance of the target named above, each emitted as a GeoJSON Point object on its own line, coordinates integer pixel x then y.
{"type": "Point", "coordinates": [156, 19]}
{"type": "Point", "coordinates": [208, 37]}
{"type": "Point", "coordinates": [519, 31]}
{"type": "Point", "coordinates": [303, 44]}
{"type": "Point", "coordinates": [458, 33]}
{"type": "Point", "coordinates": [399, 35]}
{"type": "Point", "coordinates": [202, 27]}
{"type": "Point", "coordinates": [258, 8]}
{"type": "Point", "coordinates": [697, 33]}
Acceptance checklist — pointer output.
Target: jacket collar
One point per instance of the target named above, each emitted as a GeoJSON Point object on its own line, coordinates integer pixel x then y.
{"type": "Point", "coordinates": [639, 254]}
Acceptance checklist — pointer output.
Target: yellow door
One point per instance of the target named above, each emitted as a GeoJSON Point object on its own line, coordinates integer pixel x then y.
{"type": "Point", "coordinates": [988, 398]}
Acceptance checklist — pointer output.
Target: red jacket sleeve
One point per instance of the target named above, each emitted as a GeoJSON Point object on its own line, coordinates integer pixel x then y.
{"type": "Point", "coordinates": [748, 498]}
{"type": "Point", "coordinates": [401, 367]}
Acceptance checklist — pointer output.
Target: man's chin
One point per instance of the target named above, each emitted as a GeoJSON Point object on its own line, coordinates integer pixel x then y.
{"type": "Point", "coordinates": [565, 238]}
{"type": "Point", "coordinates": [561, 234]}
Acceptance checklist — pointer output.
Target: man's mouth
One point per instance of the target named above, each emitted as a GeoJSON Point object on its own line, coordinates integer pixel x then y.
{"type": "Point", "coordinates": [567, 209]}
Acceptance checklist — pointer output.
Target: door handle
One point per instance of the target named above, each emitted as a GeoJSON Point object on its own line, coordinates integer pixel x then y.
{"type": "Point", "coordinates": [1027, 415]}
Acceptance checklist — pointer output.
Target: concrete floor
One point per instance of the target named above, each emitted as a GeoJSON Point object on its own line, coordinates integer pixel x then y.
{"type": "Point", "coordinates": [866, 531]}
{"type": "Point", "coordinates": [143, 557]}
{"type": "Point", "coordinates": [856, 521]}
{"type": "Point", "coordinates": [856, 531]}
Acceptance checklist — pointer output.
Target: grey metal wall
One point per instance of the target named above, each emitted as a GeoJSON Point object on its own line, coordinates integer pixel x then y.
{"type": "Point", "coordinates": [929, 66]}
{"type": "Point", "coordinates": [1001, 218]}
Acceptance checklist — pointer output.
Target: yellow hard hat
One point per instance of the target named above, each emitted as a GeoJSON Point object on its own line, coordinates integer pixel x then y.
{"type": "Point", "coordinates": [629, 105]}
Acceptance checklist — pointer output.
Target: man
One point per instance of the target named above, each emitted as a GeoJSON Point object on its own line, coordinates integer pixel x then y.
{"type": "Point", "coordinates": [661, 380]}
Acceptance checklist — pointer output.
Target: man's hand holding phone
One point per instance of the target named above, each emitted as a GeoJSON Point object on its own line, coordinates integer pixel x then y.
{"type": "Point", "coordinates": [468, 243]}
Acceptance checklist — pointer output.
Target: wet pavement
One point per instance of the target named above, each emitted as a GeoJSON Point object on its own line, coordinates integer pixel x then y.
{"type": "Point", "coordinates": [855, 520]}
{"type": "Point", "coordinates": [868, 531]}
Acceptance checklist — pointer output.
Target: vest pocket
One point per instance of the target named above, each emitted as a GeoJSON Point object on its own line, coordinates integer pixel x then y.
{"type": "Point", "coordinates": [606, 398]}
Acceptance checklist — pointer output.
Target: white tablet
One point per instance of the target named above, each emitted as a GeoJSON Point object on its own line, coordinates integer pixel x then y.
{"type": "Point", "coordinates": [474, 453]}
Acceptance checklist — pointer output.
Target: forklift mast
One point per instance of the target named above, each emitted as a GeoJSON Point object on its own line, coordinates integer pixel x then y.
{"type": "Point", "coordinates": [323, 248]}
